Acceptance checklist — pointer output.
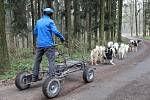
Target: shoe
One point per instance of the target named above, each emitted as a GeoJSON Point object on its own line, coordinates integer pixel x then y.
{"type": "Point", "coordinates": [36, 78]}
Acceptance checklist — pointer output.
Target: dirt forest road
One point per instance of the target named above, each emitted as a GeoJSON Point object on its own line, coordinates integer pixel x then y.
{"type": "Point", "coordinates": [129, 79]}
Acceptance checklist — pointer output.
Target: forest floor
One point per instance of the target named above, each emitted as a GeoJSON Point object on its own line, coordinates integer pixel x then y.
{"type": "Point", "coordinates": [127, 80]}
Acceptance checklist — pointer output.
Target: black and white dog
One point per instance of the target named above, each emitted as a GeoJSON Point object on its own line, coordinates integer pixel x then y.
{"type": "Point", "coordinates": [133, 44]}
{"type": "Point", "coordinates": [108, 55]}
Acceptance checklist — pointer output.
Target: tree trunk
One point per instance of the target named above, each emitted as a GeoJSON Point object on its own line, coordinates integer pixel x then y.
{"type": "Point", "coordinates": [77, 22]}
{"type": "Point", "coordinates": [149, 16]}
{"type": "Point", "coordinates": [144, 19]}
{"type": "Point", "coordinates": [39, 9]}
{"type": "Point", "coordinates": [108, 19]}
{"type": "Point", "coordinates": [120, 3]}
{"type": "Point", "coordinates": [149, 29]}
{"type": "Point", "coordinates": [136, 26]}
{"type": "Point", "coordinates": [89, 38]}
{"type": "Point", "coordinates": [50, 3]}
{"type": "Point", "coordinates": [95, 29]}
{"type": "Point", "coordinates": [67, 19]}
{"type": "Point", "coordinates": [113, 14]}
{"type": "Point", "coordinates": [35, 10]}
{"type": "Point", "coordinates": [102, 14]}
{"type": "Point", "coordinates": [57, 13]}
{"type": "Point", "coordinates": [23, 42]}
{"type": "Point", "coordinates": [139, 23]}
{"type": "Point", "coordinates": [4, 58]}
{"type": "Point", "coordinates": [75, 18]}
{"type": "Point", "coordinates": [131, 19]}
{"type": "Point", "coordinates": [12, 48]}
{"type": "Point", "coordinates": [32, 15]}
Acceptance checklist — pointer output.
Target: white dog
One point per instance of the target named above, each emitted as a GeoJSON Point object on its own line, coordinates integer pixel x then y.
{"type": "Point", "coordinates": [94, 55]}
{"type": "Point", "coordinates": [122, 51]}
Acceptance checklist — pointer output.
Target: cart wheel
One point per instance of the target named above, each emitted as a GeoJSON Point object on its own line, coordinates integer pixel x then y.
{"type": "Point", "coordinates": [51, 87]}
{"type": "Point", "coordinates": [88, 75]}
{"type": "Point", "coordinates": [21, 81]}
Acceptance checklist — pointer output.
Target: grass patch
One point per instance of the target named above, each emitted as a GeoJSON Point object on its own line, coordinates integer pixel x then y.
{"type": "Point", "coordinates": [147, 37]}
{"type": "Point", "coordinates": [24, 59]}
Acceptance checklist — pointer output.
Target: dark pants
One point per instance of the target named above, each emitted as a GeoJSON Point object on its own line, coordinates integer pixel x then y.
{"type": "Point", "coordinates": [50, 54]}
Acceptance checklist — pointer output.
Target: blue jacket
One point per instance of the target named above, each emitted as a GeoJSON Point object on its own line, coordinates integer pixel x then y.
{"type": "Point", "coordinates": [44, 30]}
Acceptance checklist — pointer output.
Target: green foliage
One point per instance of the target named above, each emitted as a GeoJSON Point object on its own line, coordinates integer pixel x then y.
{"type": "Point", "coordinates": [24, 59]}
{"type": "Point", "coordinates": [8, 75]}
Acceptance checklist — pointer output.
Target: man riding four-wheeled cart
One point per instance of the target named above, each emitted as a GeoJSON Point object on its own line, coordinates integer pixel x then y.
{"type": "Point", "coordinates": [44, 31]}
